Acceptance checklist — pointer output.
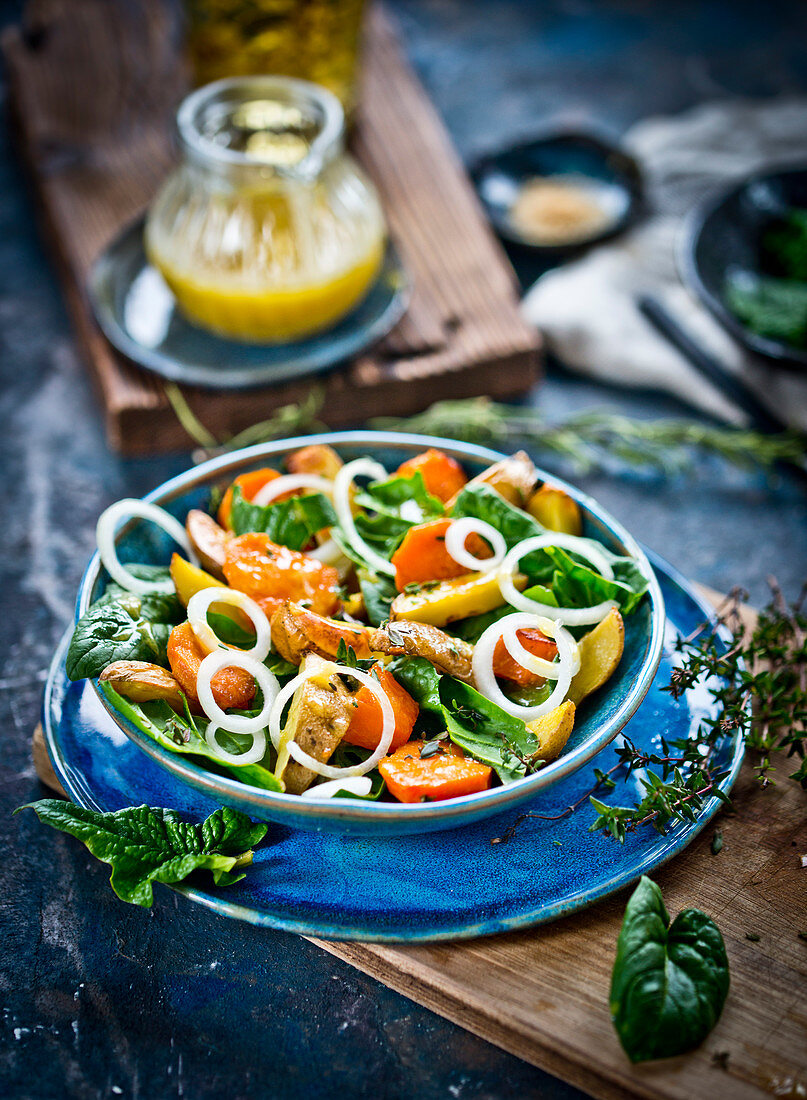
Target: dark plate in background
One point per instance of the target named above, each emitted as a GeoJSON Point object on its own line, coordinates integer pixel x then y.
{"type": "Point", "coordinates": [138, 315]}
{"type": "Point", "coordinates": [615, 175]}
{"type": "Point", "coordinates": [723, 236]}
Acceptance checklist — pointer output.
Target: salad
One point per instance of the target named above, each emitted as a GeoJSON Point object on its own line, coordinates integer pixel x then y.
{"type": "Point", "coordinates": [341, 630]}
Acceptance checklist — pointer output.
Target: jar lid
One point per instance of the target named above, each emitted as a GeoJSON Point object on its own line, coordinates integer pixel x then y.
{"type": "Point", "coordinates": [264, 124]}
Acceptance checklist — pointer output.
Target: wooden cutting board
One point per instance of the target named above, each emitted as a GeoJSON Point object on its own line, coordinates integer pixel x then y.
{"type": "Point", "coordinates": [542, 994]}
{"type": "Point", "coordinates": [93, 85]}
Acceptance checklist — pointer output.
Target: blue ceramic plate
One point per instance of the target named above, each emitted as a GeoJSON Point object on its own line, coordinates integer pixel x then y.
{"type": "Point", "coordinates": [599, 719]}
{"type": "Point", "coordinates": [138, 315]}
{"type": "Point", "coordinates": [436, 886]}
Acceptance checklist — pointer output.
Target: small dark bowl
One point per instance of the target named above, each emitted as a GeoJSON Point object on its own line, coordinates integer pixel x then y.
{"type": "Point", "coordinates": [723, 236]}
{"type": "Point", "coordinates": [607, 169]}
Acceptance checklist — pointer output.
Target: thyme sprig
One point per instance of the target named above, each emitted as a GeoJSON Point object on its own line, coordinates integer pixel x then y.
{"type": "Point", "coordinates": [588, 441]}
{"type": "Point", "coordinates": [758, 682]}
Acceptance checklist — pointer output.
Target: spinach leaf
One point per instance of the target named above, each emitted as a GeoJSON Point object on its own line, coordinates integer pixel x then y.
{"type": "Point", "coordinates": [386, 497]}
{"type": "Point", "coordinates": [145, 845]}
{"type": "Point", "coordinates": [230, 632]}
{"type": "Point", "coordinates": [115, 632]}
{"type": "Point", "coordinates": [485, 731]}
{"type": "Point", "coordinates": [383, 532]}
{"type": "Point", "coordinates": [292, 522]}
{"type": "Point", "coordinates": [669, 981]}
{"type": "Point", "coordinates": [180, 734]}
{"type": "Point", "coordinates": [482, 502]}
{"type": "Point", "coordinates": [421, 679]}
{"type": "Point", "coordinates": [156, 607]}
{"type": "Point", "coordinates": [576, 585]}
{"type": "Point", "coordinates": [378, 593]}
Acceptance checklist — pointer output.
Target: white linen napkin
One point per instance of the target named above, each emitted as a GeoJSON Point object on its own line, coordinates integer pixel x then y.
{"type": "Point", "coordinates": [587, 309]}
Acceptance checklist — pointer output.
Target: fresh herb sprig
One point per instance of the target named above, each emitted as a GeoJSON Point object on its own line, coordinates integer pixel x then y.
{"type": "Point", "coordinates": [588, 441]}
{"type": "Point", "coordinates": [758, 681]}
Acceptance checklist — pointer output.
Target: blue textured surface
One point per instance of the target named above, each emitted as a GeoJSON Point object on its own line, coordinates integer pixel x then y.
{"type": "Point", "coordinates": [597, 722]}
{"type": "Point", "coordinates": [433, 886]}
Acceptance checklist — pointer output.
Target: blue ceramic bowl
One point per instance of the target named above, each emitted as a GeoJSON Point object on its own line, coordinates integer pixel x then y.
{"type": "Point", "coordinates": [600, 718]}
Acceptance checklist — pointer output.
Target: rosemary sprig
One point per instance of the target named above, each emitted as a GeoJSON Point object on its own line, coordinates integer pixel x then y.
{"type": "Point", "coordinates": [593, 440]}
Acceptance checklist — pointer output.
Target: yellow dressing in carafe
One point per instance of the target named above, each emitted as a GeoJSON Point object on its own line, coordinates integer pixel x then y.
{"type": "Point", "coordinates": [253, 251]}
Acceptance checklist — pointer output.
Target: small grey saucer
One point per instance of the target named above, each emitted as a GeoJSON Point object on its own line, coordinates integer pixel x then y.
{"type": "Point", "coordinates": [138, 315]}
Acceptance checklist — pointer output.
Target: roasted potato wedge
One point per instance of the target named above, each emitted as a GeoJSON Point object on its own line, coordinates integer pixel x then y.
{"type": "Point", "coordinates": [297, 631]}
{"type": "Point", "coordinates": [317, 458]}
{"type": "Point", "coordinates": [553, 731]}
{"type": "Point", "coordinates": [556, 510]}
{"type": "Point", "coordinates": [141, 682]}
{"type": "Point", "coordinates": [208, 540]}
{"type": "Point", "coordinates": [458, 598]}
{"type": "Point", "coordinates": [413, 639]}
{"type": "Point", "coordinates": [319, 716]}
{"type": "Point", "coordinates": [600, 653]}
{"type": "Point", "coordinates": [513, 478]}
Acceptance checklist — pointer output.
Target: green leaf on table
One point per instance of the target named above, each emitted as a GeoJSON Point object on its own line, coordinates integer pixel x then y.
{"type": "Point", "coordinates": [669, 981]}
{"type": "Point", "coordinates": [144, 845]}
{"type": "Point", "coordinates": [292, 522]}
{"type": "Point", "coordinates": [485, 731]}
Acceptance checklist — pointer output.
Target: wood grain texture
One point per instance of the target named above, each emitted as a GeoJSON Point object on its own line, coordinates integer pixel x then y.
{"type": "Point", "coordinates": [93, 86]}
{"type": "Point", "coordinates": [542, 994]}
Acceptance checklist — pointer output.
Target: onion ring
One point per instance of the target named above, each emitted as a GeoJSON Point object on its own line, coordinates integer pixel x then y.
{"type": "Point", "coordinates": [239, 759]}
{"type": "Point", "coordinates": [234, 658]}
{"type": "Point", "coordinates": [289, 483]}
{"type": "Point", "coordinates": [570, 616]}
{"type": "Point", "coordinates": [457, 536]}
{"type": "Point", "coordinates": [105, 537]}
{"type": "Point", "coordinates": [198, 606]}
{"type": "Point", "coordinates": [360, 785]}
{"type": "Point", "coordinates": [482, 666]}
{"type": "Point", "coordinates": [341, 501]}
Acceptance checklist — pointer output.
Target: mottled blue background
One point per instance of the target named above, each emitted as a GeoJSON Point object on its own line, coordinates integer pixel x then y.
{"type": "Point", "coordinates": [100, 999]}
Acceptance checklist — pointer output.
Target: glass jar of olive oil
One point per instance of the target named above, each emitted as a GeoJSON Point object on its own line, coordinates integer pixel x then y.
{"type": "Point", "coordinates": [268, 232]}
{"type": "Point", "coordinates": [315, 40]}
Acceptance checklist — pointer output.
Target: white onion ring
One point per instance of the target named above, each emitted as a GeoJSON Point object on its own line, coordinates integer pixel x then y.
{"type": "Point", "coordinates": [105, 537]}
{"type": "Point", "coordinates": [234, 658]}
{"type": "Point", "coordinates": [360, 785]}
{"type": "Point", "coordinates": [341, 502]}
{"type": "Point", "coordinates": [290, 483]}
{"type": "Point", "coordinates": [522, 656]}
{"type": "Point", "coordinates": [570, 616]}
{"type": "Point", "coordinates": [199, 605]}
{"type": "Point", "coordinates": [302, 757]}
{"type": "Point", "coordinates": [485, 680]}
{"type": "Point", "coordinates": [457, 536]}
{"type": "Point", "coordinates": [251, 756]}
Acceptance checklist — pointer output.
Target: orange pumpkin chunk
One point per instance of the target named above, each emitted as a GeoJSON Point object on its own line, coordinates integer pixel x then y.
{"type": "Point", "coordinates": [367, 721]}
{"type": "Point", "coordinates": [444, 477]}
{"type": "Point", "coordinates": [271, 574]}
{"type": "Point", "coordinates": [449, 773]}
{"type": "Point", "coordinates": [232, 687]}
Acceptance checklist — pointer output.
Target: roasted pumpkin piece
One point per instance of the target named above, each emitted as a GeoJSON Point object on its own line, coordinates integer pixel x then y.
{"type": "Point", "coordinates": [250, 485]}
{"type": "Point", "coordinates": [272, 574]}
{"type": "Point", "coordinates": [142, 681]}
{"type": "Point", "coordinates": [553, 731]}
{"type": "Point", "coordinates": [297, 631]}
{"type": "Point", "coordinates": [320, 713]}
{"type": "Point", "coordinates": [600, 653]}
{"type": "Point", "coordinates": [442, 475]}
{"type": "Point", "coordinates": [445, 773]}
{"type": "Point", "coordinates": [208, 540]}
{"type": "Point", "coordinates": [316, 458]}
{"type": "Point", "coordinates": [422, 556]}
{"type": "Point", "coordinates": [233, 688]}
{"type": "Point", "coordinates": [367, 721]}
{"type": "Point", "coordinates": [450, 600]}
{"type": "Point", "coordinates": [506, 668]}
{"type": "Point", "coordinates": [556, 510]}
{"type": "Point", "coordinates": [513, 478]}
